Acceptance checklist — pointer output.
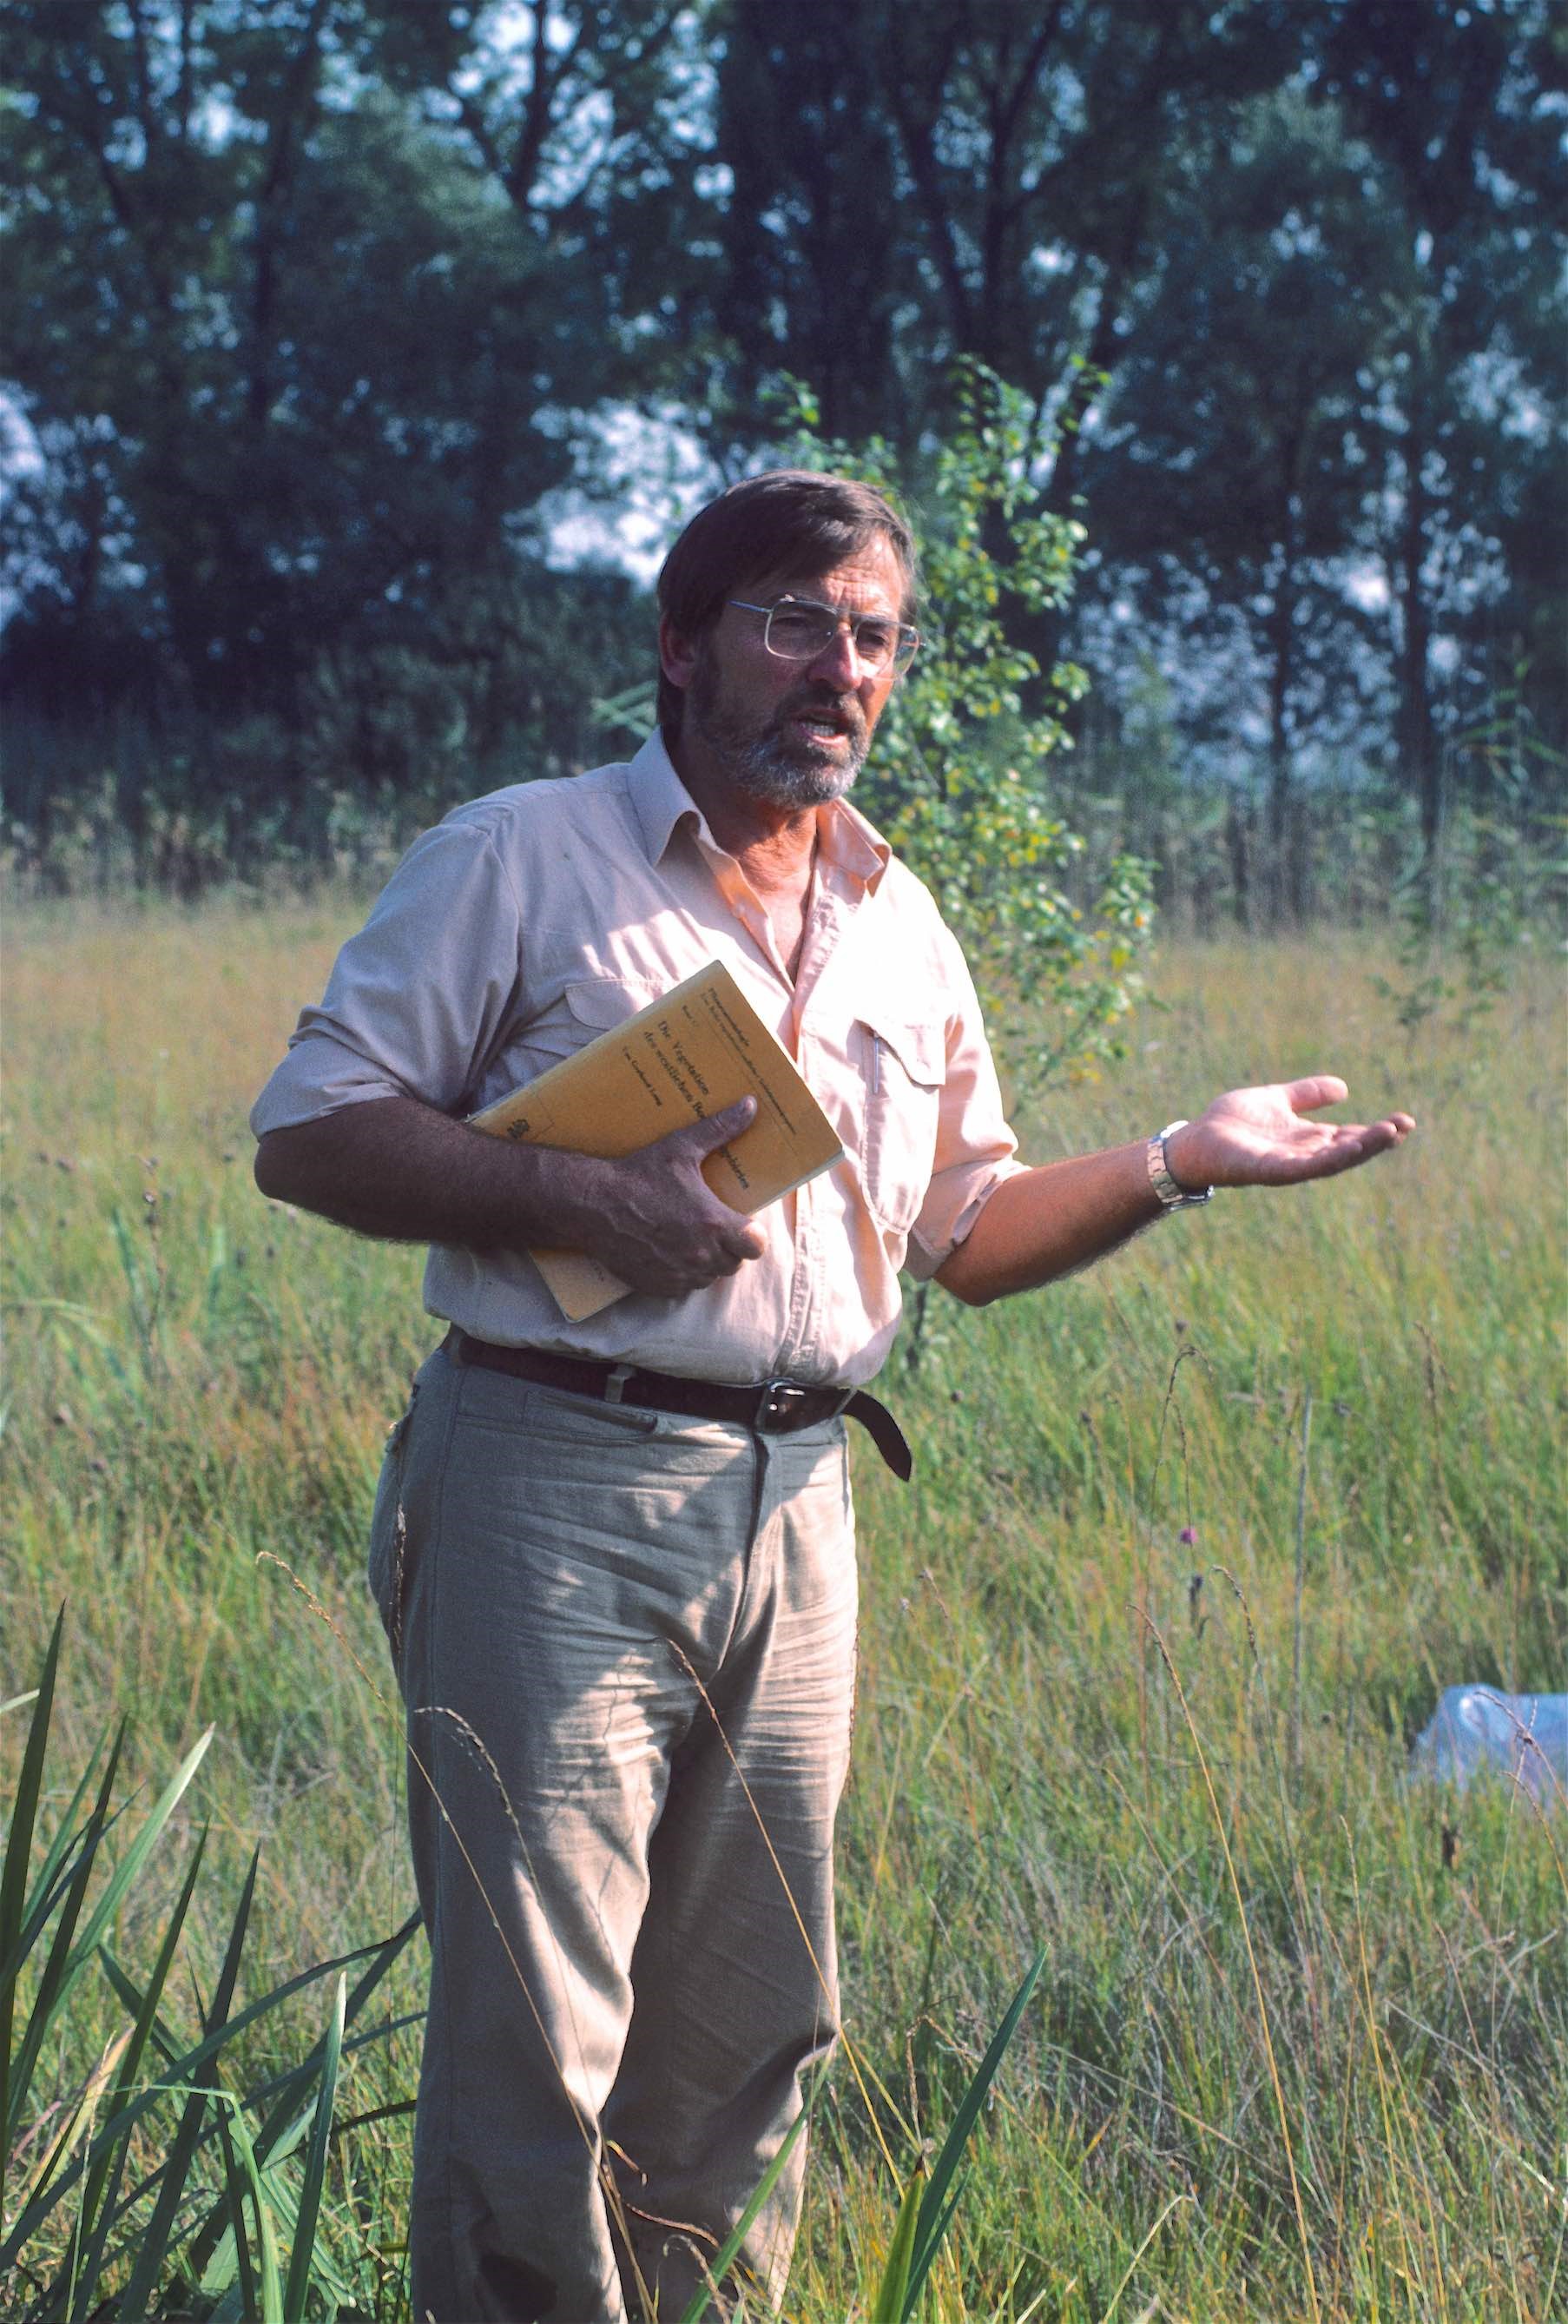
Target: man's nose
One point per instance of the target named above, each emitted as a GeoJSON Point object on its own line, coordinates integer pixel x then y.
{"type": "Point", "coordinates": [840, 659]}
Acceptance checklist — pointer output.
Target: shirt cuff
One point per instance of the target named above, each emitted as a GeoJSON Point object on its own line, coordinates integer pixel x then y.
{"type": "Point", "coordinates": [932, 1241]}
{"type": "Point", "coordinates": [319, 1076]}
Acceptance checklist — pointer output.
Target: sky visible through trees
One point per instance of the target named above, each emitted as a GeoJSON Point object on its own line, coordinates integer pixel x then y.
{"type": "Point", "coordinates": [335, 329]}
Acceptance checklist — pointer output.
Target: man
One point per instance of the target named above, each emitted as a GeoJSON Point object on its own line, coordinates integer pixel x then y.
{"type": "Point", "coordinates": [615, 1559]}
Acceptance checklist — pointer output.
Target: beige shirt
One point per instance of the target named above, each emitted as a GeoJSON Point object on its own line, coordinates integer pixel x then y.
{"type": "Point", "coordinates": [532, 920]}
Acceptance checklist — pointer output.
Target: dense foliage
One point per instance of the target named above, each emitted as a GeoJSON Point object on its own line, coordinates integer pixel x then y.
{"type": "Point", "coordinates": [325, 313]}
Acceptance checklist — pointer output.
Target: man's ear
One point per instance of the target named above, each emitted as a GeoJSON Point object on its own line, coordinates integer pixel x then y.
{"type": "Point", "coordinates": [678, 654]}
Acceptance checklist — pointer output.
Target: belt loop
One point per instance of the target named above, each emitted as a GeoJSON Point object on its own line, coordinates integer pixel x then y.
{"type": "Point", "coordinates": [615, 1385]}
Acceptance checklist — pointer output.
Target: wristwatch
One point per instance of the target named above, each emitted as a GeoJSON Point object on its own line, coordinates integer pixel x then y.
{"type": "Point", "coordinates": [1172, 1197]}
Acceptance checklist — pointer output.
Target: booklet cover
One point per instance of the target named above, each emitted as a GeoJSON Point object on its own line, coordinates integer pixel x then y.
{"type": "Point", "coordinates": [688, 1055]}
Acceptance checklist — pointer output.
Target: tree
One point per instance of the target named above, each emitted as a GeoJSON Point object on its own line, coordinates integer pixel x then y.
{"type": "Point", "coordinates": [1226, 476]}
{"type": "Point", "coordinates": [938, 178]}
{"type": "Point", "coordinates": [918, 182]}
{"type": "Point", "coordinates": [1464, 409]}
{"type": "Point", "coordinates": [324, 285]}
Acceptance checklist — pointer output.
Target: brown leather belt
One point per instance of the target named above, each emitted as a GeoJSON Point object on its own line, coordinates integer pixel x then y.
{"type": "Point", "coordinates": [775, 1407]}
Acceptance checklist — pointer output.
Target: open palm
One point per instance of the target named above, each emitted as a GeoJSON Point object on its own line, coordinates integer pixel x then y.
{"type": "Point", "coordinates": [1258, 1138]}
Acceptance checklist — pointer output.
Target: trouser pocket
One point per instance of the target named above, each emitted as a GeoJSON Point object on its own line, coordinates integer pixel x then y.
{"type": "Point", "coordinates": [386, 1564]}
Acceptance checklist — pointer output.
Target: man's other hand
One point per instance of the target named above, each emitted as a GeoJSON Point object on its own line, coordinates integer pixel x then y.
{"type": "Point", "coordinates": [1258, 1138]}
{"type": "Point", "coordinates": [394, 1166]}
{"type": "Point", "coordinates": [654, 1219]}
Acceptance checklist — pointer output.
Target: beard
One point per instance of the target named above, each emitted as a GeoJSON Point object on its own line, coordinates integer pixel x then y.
{"type": "Point", "coordinates": [776, 763]}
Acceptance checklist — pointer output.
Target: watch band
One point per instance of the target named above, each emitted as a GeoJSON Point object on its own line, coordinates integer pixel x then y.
{"type": "Point", "coordinates": [1171, 1196]}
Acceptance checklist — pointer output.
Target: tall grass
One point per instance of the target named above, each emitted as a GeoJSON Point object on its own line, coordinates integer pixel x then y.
{"type": "Point", "coordinates": [1142, 1646]}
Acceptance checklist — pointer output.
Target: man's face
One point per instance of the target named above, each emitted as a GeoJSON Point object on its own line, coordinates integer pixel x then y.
{"type": "Point", "coordinates": [795, 733]}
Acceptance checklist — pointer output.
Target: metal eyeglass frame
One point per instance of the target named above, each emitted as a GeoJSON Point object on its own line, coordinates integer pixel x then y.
{"type": "Point", "coordinates": [899, 660]}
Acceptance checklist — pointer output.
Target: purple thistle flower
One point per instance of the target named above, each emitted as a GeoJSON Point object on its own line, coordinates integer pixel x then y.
{"type": "Point", "coordinates": [1188, 1535]}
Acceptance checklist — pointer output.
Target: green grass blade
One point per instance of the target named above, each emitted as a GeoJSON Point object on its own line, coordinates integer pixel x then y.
{"type": "Point", "coordinates": [133, 1996]}
{"type": "Point", "coordinates": [936, 2211]}
{"type": "Point", "coordinates": [285, 2090]}
{"type": "Point", "coordinates": [725, 2257]}
{"type": "Point", "coordinates": [92, 2265]}
{"type": "Point", "coordinates": [14, 1878]}
{"type": "Point", "coordinates": [295, 2289]}
{"type": "Point", "coordinates": [287, 2086]}
{"type": "Point", "coordinates": [182, 2070]}
{"type": "Point", "coordinates": [95, 2211]}
{"type": "Point", "coordinates": [135, 1279]}
{"type": "Point", "coordinates": [138, 2299]}
{"type": "Point", "coordinates": [235, 2203]}
{"type": "Point", "coordinates": [66, 1961]}
{"type": "Point", "coordinates": [271, 2285]}
{"type": "Point", "coordinates": [892, 2300]}
{"type": "Point", "coordinates": [69, 1853]}
{"type": "Point", "coordinates": [127, 1871]}
{"type": "Point", "coordinates": [67, 1958]}
{"type": "Point", "coordinates": [54, 1983]}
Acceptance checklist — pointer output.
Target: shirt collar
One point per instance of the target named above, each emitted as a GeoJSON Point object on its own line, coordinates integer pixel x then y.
{"type": "Point", "coordinates": [659, 798]}
{"type": "Point", "coordinates": [660, 802]}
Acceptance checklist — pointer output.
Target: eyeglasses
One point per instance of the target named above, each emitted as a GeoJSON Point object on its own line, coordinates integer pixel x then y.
{"type": "Point", "coordinates": [797, 628]}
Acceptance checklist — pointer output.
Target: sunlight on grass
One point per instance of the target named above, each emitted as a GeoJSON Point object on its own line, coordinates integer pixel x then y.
{"type": "Point", "coordinates": [1142, 1645]}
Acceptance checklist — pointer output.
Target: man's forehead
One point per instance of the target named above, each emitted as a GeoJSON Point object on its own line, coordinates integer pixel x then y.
{"type": "Point", "coordinates": [871, 581]}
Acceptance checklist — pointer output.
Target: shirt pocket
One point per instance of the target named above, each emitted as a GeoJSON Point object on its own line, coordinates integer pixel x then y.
{"type": "Point", "coordinates": [905, 1063]}
{"type": "Point", "coordinates": [598, 1004]}
{"type": "Point", "coordinates": [582, 1010]}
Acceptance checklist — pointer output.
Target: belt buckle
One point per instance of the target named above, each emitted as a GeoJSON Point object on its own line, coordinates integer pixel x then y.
{"type": "Point", "coordinates": [776, 1405]}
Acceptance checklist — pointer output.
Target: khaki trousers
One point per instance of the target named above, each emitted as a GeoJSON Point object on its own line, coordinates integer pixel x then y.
{"type": "Point", "coordinates": [611, 1626]}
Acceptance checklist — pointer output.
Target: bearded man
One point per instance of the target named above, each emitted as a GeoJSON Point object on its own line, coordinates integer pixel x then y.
{"type": "Point", "coordinates": [615, 1559]}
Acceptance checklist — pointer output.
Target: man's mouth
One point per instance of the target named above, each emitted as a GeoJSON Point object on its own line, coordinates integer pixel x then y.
{"type": "Point", "coordinates": [823, 725]}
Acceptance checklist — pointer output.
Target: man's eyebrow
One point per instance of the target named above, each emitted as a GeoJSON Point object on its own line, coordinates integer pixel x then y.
{"type": "Point", "coordinates": [853, 612]}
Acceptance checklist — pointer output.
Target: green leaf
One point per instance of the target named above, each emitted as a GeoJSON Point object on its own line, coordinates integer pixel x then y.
{"type": "Point", "coordinates": [892, 2300]}
{"type": "Point", "coordinates": [13, 1879]}
{"type": "Point", "coordinates": [285, 2090]}
{"type": "Point", "coordinates": [54, 1982]}
{"type": "Point", "coordinates": [315, 2163]}
{"type": "Point", "coordinates": [936, 2212]}
{"type": "Point", "coordinates": [724, 2259]}
{"type": "Point", "coordinates": [182, 2071]}
{"type": "Point", "coordinates": [98, 2196]}
{"type": "Point", "coordinates": [138, 2299]}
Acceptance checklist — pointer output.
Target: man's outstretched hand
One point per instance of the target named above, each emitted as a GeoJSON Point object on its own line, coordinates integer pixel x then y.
{"type": "Point", "coordinates": [1258, 1138]}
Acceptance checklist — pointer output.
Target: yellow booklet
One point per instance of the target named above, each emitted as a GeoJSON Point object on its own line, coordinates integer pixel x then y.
{"type": "Point", "coordinates": [688, 1055]}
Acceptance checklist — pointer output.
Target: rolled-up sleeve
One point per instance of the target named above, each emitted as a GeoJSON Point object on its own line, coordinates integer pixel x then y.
{"type": "Point", "coordinates": [976, 1150]}
{"type": "Point", "coordinates": [418, 999]}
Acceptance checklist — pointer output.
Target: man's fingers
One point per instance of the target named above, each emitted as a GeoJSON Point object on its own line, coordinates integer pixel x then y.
{"type": "Point", "coordinates": [682, 1233]}
{"type": "Point", "coordinates": [1317, 1089]}
{"type": "Point", "coordinates": [1350, 1143]}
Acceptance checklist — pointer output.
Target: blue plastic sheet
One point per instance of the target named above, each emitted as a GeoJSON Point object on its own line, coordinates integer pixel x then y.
{"type": "Point", "coordinates": [1476, 1729]}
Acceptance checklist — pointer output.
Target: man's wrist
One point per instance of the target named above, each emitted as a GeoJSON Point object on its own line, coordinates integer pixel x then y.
{"type": "Point", "coordinates": [1172, 1191]}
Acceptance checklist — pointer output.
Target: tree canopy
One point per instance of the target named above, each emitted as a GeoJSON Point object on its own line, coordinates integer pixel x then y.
{"type": "Point", "coordinates": [320, 312]}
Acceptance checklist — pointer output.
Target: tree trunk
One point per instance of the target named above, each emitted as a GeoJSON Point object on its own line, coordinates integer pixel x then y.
{"type": "Point", "coordinates": [1238, 842]}
{"type": "Point", "coordinates": [1420, 760]}
{"type": "Point", "coordinates": [1284, 884]}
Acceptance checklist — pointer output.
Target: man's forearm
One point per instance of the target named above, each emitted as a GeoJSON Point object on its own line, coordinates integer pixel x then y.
{"type": "Point", "coordinates": [396, 1169]}
{"type": "Point", "coordinates": [1047, 1222]}
{"type": "Point", "coordinates": [1050, 1221]}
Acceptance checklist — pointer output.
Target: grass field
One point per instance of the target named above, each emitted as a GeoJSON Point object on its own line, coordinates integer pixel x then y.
{"type": "Point", "coordinates": [1194, 1542]}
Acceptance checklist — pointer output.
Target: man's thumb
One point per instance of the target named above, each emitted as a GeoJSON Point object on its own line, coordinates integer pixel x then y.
{"type": "Point", "coordinates": [715, 1127]}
